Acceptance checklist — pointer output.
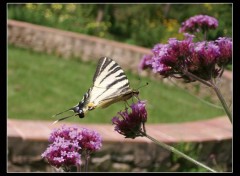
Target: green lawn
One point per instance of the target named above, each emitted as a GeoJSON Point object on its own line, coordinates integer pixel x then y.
{"type": "Point", "coordinates": [40, 85]}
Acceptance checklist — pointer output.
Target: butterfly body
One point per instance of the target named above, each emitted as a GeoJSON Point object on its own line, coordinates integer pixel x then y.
{"type": "Point", "coordinates": [110, 85]}
{"type": "Point", "coordinates": [84, 106]}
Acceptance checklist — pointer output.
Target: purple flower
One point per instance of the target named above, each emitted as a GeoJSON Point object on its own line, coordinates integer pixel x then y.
{"type": "Point", "coordinates": [63, 153]}
{"type": "Point", "coordinates": [68, 133]}
{"type": "Point", "coordinates": [225, 49]}
{"type": "Point", "coordinates": [168, 58]}
{"type": "Point", "coordinates": [91, 140]}
{"type": "Point", "coordinates": [208, 53]}
{"type": "Point", "coordinates": [157, 48]}
{"type": "Point", "coordinates": [204, 59]}
{"type": "Point", "coordinates": [189, 36]}
{"type": "Point", "coordinates": [199, 23]}
{"type": "Point", "coordinates": [145, 62]}
{"type": "Point", "coordinates": [161, 54]}
{"type": "Point", "coordinates": [139, 110]}
{"type": "Point", "coordinates": [130, 125]}
{"type": "Point", "coordinates": [67, 145]}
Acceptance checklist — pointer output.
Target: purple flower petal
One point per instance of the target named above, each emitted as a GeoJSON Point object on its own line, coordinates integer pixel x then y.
{"type": "Point", "coordinates": [67, 143]}
{"type": "Point", "coordinates": [129, 124]}
{"type": "Point", "coordinates": [199, 23]}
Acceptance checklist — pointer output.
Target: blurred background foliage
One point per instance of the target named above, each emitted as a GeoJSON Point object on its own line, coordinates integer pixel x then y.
{"type": "Point", "coordinates": [138, 24]}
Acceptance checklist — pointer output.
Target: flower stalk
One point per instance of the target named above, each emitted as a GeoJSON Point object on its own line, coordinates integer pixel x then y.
{"type": "Point", "coordinates": [87, 156]}
{"type": "Point", "coordinates": [194, 77]}
{"type": "Point", "coordinates": [79, 168]}
{"type": "Point", "coordinates": [222, 100]}
{"type": "Point", "coordinates": [174, 150]}
{"type": "Point", "coordinates": [211, 84]}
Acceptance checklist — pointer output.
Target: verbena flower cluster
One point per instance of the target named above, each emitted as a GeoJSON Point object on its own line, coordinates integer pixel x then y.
{"type": "Point", "coordinates": [204, 59]}
{"type": "Point", "coordinates": [129, 124]}
{"type": "Point", "coordinates": [67, 144]}
{"type": "Point", "coordinates": [91, 140]}
{"type": "Point", "coordinates": [198, 23]}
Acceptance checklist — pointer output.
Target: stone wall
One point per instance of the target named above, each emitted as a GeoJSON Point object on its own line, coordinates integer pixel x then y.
{"type": "Point", "coordinates": [69, 44]}
{"type": "Point", "coordinates": [127, 157]}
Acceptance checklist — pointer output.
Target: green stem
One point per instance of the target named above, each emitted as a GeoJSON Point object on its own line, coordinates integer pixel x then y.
{"type": "Point", "coordinates": [205, 35]}
{"type": "Point", "coordinates": [197, 78]}
{"type": "Point", "coordinates": [78, 168]}
{"type": "Point", "coordinates": [217, 91]}
{"type": "Point", "coordinates": [87, 155]}
{"type": "Point", "coordinates": [172, 149]}
{"type": "Point", "coordinates": [224, 104]}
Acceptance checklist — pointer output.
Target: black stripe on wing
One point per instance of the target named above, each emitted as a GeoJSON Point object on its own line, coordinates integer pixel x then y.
{"type": "Point", "coordinates": [102, 64]}
{"type": "Point", "coordinates": [112, 70]}
{"type": "Point", "coordinates": [117, 81]}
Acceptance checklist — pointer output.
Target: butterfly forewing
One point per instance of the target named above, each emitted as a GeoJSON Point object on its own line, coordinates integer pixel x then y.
{"type": "Point", "coordinates": [109, 75]}
{"type": "Point", "coordinates": [109, 82]}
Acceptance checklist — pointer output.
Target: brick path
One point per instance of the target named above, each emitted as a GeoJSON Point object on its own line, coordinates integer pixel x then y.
{"type": "Point", "coordinates": [218, 128]}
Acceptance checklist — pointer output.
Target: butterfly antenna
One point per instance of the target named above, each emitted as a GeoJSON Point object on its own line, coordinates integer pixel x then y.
{"type": "Point", "coordinates": [63, 118]}
{"type": "Point", "coordinates": [142, 86]}
{"type": "Point", "coordinates": [62, 112]}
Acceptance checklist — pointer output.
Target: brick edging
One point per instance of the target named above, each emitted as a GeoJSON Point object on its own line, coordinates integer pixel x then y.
{"type": "Point", "coordinates": [198, 131]}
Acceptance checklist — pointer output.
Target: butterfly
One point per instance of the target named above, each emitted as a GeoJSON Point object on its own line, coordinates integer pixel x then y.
{"type": "Point", "coordinates": [110, 85]}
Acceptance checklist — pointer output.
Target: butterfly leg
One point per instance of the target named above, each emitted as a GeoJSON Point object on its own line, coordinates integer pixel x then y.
{"type": "Point", "coordinates": [126, 104]}
{"type": "Point", "coordinates": [135, 96]}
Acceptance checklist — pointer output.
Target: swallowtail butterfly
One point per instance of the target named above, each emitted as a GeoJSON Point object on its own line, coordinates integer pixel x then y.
{"type": "Point", "coordinates": [110, 85]}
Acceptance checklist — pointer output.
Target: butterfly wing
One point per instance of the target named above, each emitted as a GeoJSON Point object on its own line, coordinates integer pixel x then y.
{"type": "Point", "coordinates": [110, 84]}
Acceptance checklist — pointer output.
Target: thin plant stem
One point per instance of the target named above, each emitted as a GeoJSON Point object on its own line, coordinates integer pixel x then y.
{"type": "Point", "coordinates": [172, 149]}
{"type": "Point", "coordinates": [217, 91]}
{"type": "Point", "coordinates": [222, 100]}
{"type": "Point", "coordinates": [79, 168]}
{"type": "Point", "coordinates": [197, 78]}
{"type": "Point", "coordinates": [204, 101]}
{"type": "Point", "coordinates": [86, 160]}
{"type": "Point", "coordinates": [205, 35]}
{"type": "Point", "coordinates": [144, 129]}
